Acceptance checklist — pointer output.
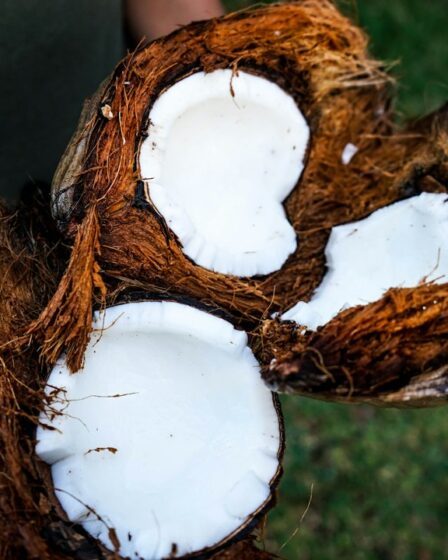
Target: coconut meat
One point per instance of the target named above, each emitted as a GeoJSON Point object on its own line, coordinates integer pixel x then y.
{"type": "Point", "coordinates": [223, 152]}
{"type": "Point", "coordinates": [401, 245]}
{"type": "Point", "coordinates": [167, 435]}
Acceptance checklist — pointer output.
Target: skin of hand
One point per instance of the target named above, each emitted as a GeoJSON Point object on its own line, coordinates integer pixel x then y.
{"type": "Point", "coordinates": [149, 19]}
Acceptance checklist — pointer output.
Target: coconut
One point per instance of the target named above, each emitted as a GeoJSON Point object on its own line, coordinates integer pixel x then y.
{"type": "Point", "coordinates": [33, 523]}
{"type": "Point", "coordinates": [221, 194]}
{"type": "Point", "coordinates": [375, 328]}
{"type": "Point", "coordinates": [167, 442]}
{"type": "Point", "coordinates": [153, 165]}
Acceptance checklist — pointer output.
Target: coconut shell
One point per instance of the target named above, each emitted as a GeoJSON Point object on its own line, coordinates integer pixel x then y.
{"type": "Point", "coordinates": [33, 267]}
{"type": "Point", "coordinates": [394, 351]}
{"type": "Point", "coordinates": [312, 52]}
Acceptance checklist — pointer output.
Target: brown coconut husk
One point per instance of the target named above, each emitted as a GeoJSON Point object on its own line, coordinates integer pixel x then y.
{"type": "Point", "coordinates": [32, 260]}
{"type": "Point", "coordinates": [392, 352]}
{"type": "Point", "coordinates": [29, 270]}
{"type": "Point", "coordinates": [310, 50]}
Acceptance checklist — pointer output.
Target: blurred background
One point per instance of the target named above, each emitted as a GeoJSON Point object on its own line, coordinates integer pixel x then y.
{"type": "Point", "coordinates": [379, 477]}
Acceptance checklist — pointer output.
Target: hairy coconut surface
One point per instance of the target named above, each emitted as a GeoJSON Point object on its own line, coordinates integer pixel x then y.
{"type": "Point", "coordinates": [29, 269]}
{"type": "Point", "coordinates": [392, 351]}
{"type": "Point", "coordinates": [315, 55]}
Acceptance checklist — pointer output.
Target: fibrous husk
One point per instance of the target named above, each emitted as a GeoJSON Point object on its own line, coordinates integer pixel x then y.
{"type": "Point", "coordinates": [391, 352]}
{"type": "Point", "coordinates": [244, 550]}
{"type": "Point", "coordinates": [310, 50]}
{"type": "Point", "coordinates": [29, 268]}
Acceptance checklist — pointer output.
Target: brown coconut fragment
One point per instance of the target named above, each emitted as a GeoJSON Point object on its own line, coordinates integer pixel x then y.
{"type": "Point", "coordinates": [313, 53]}
{"type": "Point", "coordinates": [392, 352]}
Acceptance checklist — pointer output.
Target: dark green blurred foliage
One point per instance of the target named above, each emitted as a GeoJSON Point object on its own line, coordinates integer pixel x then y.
{"type": "Point", "coordinates": [379, 477]}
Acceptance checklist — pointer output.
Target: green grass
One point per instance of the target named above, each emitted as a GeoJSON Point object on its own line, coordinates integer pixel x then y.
{"type": "Point", "coordinates": [380, 477]}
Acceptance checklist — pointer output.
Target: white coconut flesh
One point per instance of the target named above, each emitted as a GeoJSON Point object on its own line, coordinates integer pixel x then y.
{"type": "Point", "coordinates": [223, 152]}
{"type": "Point", "coordinates": [402, 245]}
{"type": "Point", "coordinates": [166, 435]}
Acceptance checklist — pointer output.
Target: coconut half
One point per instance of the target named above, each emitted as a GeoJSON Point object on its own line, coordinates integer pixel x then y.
{"type": "Point", "coordinates": [223, 152]}
{"type": "Point", "coordinates": [399, 246]}
{"type": "Point", "coordinates": [167, 438]}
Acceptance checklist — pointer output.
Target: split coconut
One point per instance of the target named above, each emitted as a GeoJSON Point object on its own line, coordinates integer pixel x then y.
{"type": "Point", "coordinates": [214, 142]}
{"type": "Point", "coordinates": [166, 443]}
{"type": "Point", "coordinates": [394, 350]}
{"type": "Point", "coordinates": [223, 152]}
{"type": "Point", "coordinates": [403, 245]}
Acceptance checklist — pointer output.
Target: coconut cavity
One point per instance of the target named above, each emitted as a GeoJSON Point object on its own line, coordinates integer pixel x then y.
{"type": "Point", "coordinates": [167, 437]}
{"type": "Point", "coordinates": [223, 151]}
{"type": "Point", "coordinates": [402, 245]}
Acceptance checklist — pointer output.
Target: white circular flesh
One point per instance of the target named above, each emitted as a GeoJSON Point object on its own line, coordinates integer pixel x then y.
{"type": "Point", "coordinates": [401, 245]}
{"type": "Point", "coordinates": [167, 435]}
{"type": "Point", "coordinates": [219, 166]}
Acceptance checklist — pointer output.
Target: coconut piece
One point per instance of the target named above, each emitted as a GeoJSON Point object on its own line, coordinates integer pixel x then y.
{"type": "Point", "coordinates": [392, 351]}
{"type": "Point", "coordinates": [348, 153]}
{"type": "Point", "coordinates": [223, 151]}
{"type": "Point", "coordinates": [310, 52]}
{"type": "Point", "coordinates": [401, 245]}
{"type": "Point", "coordinates": [167, 438]}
